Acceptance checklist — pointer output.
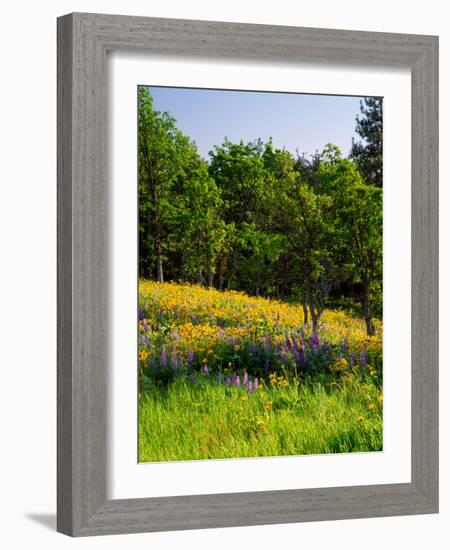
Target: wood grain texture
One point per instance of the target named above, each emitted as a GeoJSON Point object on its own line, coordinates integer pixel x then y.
{"type": "Point", "coordinates": [83, 40]}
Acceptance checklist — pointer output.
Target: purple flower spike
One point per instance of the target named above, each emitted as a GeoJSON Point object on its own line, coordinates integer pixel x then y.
{"type": "Point", "coordinates": [206, 371]}
{"type": "Point", "coordinates": [314, 341]}
{"type": "Point", "coordinates": [245, 378]}
{"type": "Point", "coordinates": [164, 357]}
{"type": "Point", "coordinates": [255, 384]}
{"type": "Point", "coordinates": [234, 378]}
{"type": "Point", "coordinates": [190, 357]}
{"type": "Point", "coordinates": [237, 381]}
{"type": "Point", "coordinates": [141, 314]}
{"type": "Point", "coordinates": [227, 380]}
{"type": "Point", "coordinates": [145, 340]}
{"type": "Point", "coordinates": [218, 377]}
{"type": "Point", "coordinates": [363, 358]}
{"type": "Point", "coordinates": [250, 386]}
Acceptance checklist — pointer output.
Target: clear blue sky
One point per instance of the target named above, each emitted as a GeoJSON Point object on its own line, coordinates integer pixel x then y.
{"type": "Point", "coordinates": [306, 122]}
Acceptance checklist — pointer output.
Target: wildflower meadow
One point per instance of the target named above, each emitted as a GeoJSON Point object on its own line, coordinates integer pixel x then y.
{"type": "Point", "coordinates": [260, 274]}
{"type": "Point", "coordinates": [225, 375]}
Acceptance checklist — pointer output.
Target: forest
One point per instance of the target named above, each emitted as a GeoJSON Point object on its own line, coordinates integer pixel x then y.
{"type": "Point", "coordinates": [260, 294]}
{"type": "Point", "coordinates": [255, 218]}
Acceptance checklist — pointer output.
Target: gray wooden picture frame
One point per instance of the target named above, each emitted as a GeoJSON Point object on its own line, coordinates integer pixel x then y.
{"type": "Point", "coordinates": [83, 41]}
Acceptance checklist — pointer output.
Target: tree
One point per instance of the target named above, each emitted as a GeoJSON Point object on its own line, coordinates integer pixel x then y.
{"type": "Point", "coordinates": [164, 155]}
{"type": "Point", "coordinates": [368, 154]}
{"type": "Point", "coordinates": [304, 219]}
{"type": "Point", "coordinates": [239, 173]}
{"type": "Point", "coordinates": [197, 228]}
{"type": "Point", "coordinates": [357, 228]}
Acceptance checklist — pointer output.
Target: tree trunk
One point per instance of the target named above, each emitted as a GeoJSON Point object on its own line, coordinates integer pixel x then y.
{"type": "Point", "coordinates": [305, 313]}
{"type": "Point", "coordinates": [314, 317]}
{"type": "Point", "coordinates": [159, 263]}
{"type": "Point", "coordinates": [183, 268]}
{"type": "Point", "coordinates": [367, 309]}
{"type": "Point", "coordinates": [210, 271]}
{"type": "Point", "coordinates": [210, 275]}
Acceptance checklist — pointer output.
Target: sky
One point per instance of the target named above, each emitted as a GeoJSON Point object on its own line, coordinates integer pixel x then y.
{"type": "Point", "coordinates": [294, 121]}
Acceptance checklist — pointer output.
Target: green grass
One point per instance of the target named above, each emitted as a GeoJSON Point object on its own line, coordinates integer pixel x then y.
{"type": "Point", "coordinates": [186, 421]}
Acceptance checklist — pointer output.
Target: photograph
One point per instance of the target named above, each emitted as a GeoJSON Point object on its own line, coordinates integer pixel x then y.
{"type": "Point", "coordinates": [260, 274]}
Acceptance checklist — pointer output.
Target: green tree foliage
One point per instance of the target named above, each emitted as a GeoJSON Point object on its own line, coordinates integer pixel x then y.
{"type": "Point", "coordinates": [368, 154]}
{"type": "Point", "coordinates": [357, 229]}
{"type": "Point", "coordinates": [178, 200]}
{"type": "Point", "coordinates": [255, 218]}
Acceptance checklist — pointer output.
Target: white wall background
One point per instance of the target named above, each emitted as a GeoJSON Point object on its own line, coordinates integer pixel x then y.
{"type": "Point", "coordinates": [28, 272]}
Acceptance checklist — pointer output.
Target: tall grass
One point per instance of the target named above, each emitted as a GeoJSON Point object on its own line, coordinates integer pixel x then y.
{"type": "Point", "coordinates": [185, 421]}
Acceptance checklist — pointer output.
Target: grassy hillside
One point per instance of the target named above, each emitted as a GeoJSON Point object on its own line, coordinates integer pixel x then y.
{"type": "Point", "coordinates": [223, 374]}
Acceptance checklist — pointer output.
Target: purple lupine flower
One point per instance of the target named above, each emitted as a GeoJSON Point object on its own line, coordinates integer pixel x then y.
{"type": "Point", "coordinates": [345, 343]}
{"type": "Point", "coordinates": [234, 378]}
{"type": "Point", "coordinates": [164, 357]}
{"type": "Point", "coordinates": [237, 381]}
{"type": "Point", "coordinates": [218, 377]}
{"type": "Point", "coordinates": [174, 360]}
{"type": "Point", "coordinates": [250, 386]}
{"type": "Point", "coordinates": [245, 378]}
{"type": "Point", "coordinates": [353, 359]}
{"type": "Point", "coordinates": [206, 371]}
{"type": "Point", "coordinates": [363, 358]}
{"type": "Point", "coordinates": [141, 314]}
{"type": "Point", "coordinates": [227, 380]}
{"type": "Point", "coordinates": [300, 357]}
{"type": "Point", "coordinates": [190, 357]}
{"type": "Point", "coordinates": [255, 384]}
{"type": "Point", "coordinates": [145, 339]}
{"type": "Point", "coordinates": [302, 336]}
{"type": "Point", "coordinates": [253, 350]}
{"type": "Point", "coordinates": [314, 341]}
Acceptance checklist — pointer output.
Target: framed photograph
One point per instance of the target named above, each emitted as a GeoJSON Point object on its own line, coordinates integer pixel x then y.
{"type": "Point", "coordinates": [247, 274]}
